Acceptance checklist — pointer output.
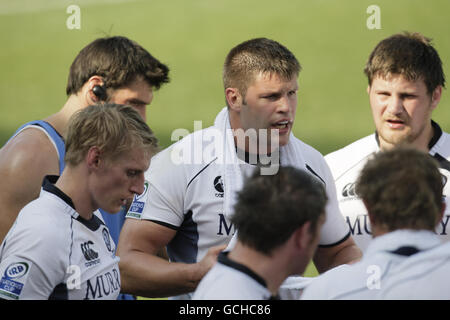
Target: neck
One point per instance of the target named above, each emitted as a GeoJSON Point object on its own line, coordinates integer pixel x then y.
{"type": "Point", "coordinates": [268, 268]}
{"type": "Point", "coordinates": [77, 189]}
{"type": "Point", "coordinates": [60, 120]}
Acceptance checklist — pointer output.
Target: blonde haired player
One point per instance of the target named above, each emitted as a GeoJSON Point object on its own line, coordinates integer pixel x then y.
{"type": "Point", "coordinates": [59, 247]}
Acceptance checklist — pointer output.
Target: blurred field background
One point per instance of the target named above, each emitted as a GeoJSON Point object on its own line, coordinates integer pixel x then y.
{"type": "Point", "coordinates": [330, 39]}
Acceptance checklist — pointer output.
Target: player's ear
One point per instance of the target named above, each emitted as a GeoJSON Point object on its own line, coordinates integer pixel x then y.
{"type": "Point", "coordinates": [368, 89]}
{"type": "Point", "coordinates": [436, 97]}
{"type": "Point", "coordinates": [93, 158]}
{"type": "Point", "coordinates": [93, 82]}
{"type": "Point", "coordinates": [234, 99]}
{"type": "Point", "coordinates": [303, 236]}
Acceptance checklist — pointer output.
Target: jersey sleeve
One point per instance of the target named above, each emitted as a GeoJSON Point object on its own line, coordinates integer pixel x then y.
{"type": "Point", "coordinates": [163, 198]}
{"type": "Point", "coordinates": [31, 265]}
{"type": "Point", "coordinates": [335, 230]}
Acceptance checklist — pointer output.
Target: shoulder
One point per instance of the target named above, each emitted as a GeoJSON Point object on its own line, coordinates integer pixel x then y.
{"type": "Point", "coordinates": [184, 159]}
{"type": "Point", "coordinates": [335, 282]}
{"type": "Point", "coordinates": [313, 160]}
{"type": "Point", "coordinates": [30, 147]}
{"type": "Point", "coordinates": [344, 159]}
{"type": "Point", "coordinates": [41, 229]}
{"type": "Point", "coordinates": [442, 146]}
{"type": "Point", "coordinates": [233, 285]}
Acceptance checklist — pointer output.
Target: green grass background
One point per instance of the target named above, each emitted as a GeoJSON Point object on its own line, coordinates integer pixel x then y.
{"type": "Point", "coordinates": [330, 39]}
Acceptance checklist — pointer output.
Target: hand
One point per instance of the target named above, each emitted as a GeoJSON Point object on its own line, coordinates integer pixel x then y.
{"type": "Point", "coordinates": [209, 260]}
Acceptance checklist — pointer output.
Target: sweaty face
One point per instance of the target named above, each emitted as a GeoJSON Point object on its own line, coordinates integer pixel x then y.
{"type": "Point", "coordinates": [270, 104]}
{"type": "Point", "coordinates": [138, 94]}
{"type": "Point", "coordinates": [118, 180]}
{"type": "Point", "coordinates": [401, 110]}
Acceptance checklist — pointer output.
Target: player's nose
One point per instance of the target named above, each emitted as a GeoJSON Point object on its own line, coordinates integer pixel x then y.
{"type": "Point", "coordinates": [395, 105]}
{"type": "Point", "coordinates": [137, 186]}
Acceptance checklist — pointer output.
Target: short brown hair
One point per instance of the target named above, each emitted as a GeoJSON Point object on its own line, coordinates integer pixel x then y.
{"type": "Point", "coordinates": [113, 128]}
{"type": "Point", "coordinates": [255, 56]}
{"type": "Point", "coordinates": [271, 207]}
{"type": "Point", "coordinates": [410, 55]}
{"type": "Point", "coordinates": [119, 61]}
{"type": "Point", "coordinates": [402, 189]}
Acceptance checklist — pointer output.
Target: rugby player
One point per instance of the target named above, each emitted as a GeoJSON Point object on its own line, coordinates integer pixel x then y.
{"type": "Point", "coordinates": [279, 219]}
{"type": "Point", "coordinates": [192, 184]}
{"type": "Point", "coordinates": [59, 246]}
{"type": "Point", "coordinates": [405, 85]}
{"type": "Point", "coordinates": [113, 69]}
{"type": "Point", "coordinates": [402, 191]}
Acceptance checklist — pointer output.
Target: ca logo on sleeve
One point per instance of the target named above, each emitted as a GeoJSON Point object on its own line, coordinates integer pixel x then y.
{"type": "Point", "coordinates": [13, 279]}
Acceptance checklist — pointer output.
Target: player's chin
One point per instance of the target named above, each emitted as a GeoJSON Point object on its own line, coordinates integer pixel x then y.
{"type": "Point", "coordinates": [283, 140]}
{"type": "Point", "coordinates": [117, 206]}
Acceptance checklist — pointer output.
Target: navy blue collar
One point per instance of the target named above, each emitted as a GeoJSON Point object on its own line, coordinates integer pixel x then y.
{"type": "Point", "coordinates": [49, 185]}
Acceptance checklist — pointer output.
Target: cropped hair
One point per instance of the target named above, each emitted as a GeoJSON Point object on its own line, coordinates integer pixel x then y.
{"type": "Point", "coordinates": [271, 207]}
{"type": "Point", "coordinates": [410, 55]}
{"type": "Point", "coordinates": [402, 189]}
{"type": "Point", "coordinates": [113, 128]}
{"type": "Point", "coordinates": [119, 61]}
{"type": "Point", "coordinates": [258, 56]}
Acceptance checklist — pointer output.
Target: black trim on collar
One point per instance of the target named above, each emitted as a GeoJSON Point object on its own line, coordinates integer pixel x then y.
{"type": "Point", "coordinates": [92, 224]}
{"type": "Point", "coordinates": [443, 163]}
{"type": "Point", "coordinates": [437, 133]}
{"type": "Point", "coordinates": [48, 184]}
{"type": "Point", "coordinates": [405, 251]}
{"type": "Point", "coordinates": [223, 259]}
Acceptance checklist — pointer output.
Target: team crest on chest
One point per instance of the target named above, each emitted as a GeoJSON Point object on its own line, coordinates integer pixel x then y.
{"type": "Point", "coordinates": [349, 190]}
{"type": "Point", "coordinates": [107, 239]}
{"type": "Point", "coordinates": [218, 186]}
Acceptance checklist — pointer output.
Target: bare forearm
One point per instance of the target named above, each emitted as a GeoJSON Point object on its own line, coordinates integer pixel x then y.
{"type": "Point", "coordinates": [150, 276]}
{"type": "Point", "coordinates": [328, 258]}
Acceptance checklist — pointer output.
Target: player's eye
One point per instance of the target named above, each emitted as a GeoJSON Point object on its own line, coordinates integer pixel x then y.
{"type": "Point", "coordinates": [132, 173]}
{"type": "Point", "coordinates": [272, 97]}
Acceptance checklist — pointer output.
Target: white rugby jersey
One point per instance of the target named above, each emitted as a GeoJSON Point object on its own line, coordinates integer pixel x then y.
{"type": "Point", "coordinates": [51, 252]}
{"type": "Point", "coordinates": [423, 276]}
{"type": "Point", "coordinates": [347, 163]}
{"type": "Point", "coordinates": [367, 278]}
{"type": "Point", "coordinates": [188, 197]}
{"type": "Point", "coordinates": [229, 280]}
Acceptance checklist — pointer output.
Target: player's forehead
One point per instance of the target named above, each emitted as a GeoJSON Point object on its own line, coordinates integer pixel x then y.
{"type": "Point", "coordinates": [398, 82]}
{"type": "Point", "coordinates": [270, 80]}
{"type": "Point", "coordinates": [136, 158]}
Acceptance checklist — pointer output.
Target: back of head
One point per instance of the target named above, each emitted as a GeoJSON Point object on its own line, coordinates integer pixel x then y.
{"type": "Point", "coordinates": [119, 61]}
{"type": "Point", "coordinates": [113, 128]}
{"type": "Point", "coordinates": [271, 207]}
{"type": "Point", "coordinates": [402, 189]}
{"type": "Point", "coordinates": [410, 55]}
{"type": "Point", "coordinates": [256, 56]}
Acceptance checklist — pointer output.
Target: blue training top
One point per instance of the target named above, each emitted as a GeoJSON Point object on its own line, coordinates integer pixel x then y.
{"type": "Point", "coordinates": [54, 135]}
